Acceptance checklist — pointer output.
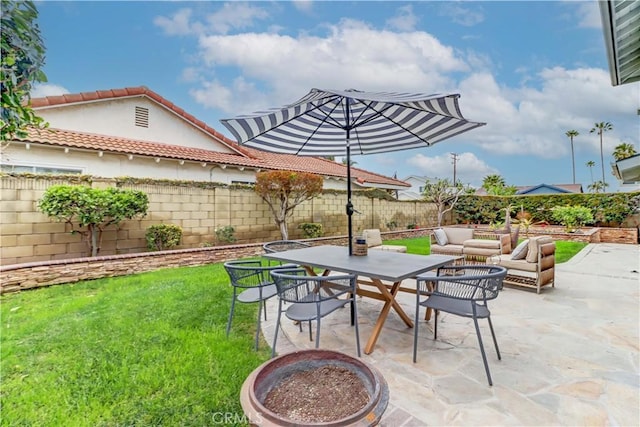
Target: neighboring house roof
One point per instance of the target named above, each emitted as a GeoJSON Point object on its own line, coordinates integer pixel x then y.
{"type": "Point", "coordinates": [541, 189]}
{"type": "Point", "coordinates": [130, 92]}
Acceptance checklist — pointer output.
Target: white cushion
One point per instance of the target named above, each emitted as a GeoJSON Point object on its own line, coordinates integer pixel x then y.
{"type": "Point", "coordinates": [373, 237]}
{"type": "Point", "coordinates": [441, 236]}
{"type": "Point", "coordinates": [520, 252]}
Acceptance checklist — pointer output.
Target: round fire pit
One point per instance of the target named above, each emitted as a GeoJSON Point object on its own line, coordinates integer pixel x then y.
{"type": "Point", "coordinates": [323, 376]}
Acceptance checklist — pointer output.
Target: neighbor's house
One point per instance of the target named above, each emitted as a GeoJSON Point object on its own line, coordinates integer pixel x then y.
{"type": "Point", "coordinates": [137, 133]}
{"type": "Point", "coordinates": [541, 189]}
{"type": "Point", "coordinates": [417, 187]}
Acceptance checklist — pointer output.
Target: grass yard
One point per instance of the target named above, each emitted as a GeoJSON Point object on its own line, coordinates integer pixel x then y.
{"type": "Point", "coordinates": [146, 349]}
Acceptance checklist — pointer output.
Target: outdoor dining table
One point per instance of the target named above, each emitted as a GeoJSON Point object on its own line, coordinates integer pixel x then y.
{"type": "Point", "coordinates": [371, 269]}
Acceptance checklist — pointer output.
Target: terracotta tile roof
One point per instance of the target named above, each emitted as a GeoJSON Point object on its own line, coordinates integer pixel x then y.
{"type": "Point", "coordinates": [251, 158]}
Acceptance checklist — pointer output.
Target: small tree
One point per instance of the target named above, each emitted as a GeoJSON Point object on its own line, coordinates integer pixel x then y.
{"type": "Point", "coordinates": [21, 60]}
{"type": "Point", "coordinates": [90, 210]}
{"type": "Point", "coordinates": [163, 236]}
{"type": "Point", "coordinates": [284, 190]}
{"type": "Point", "coordinates": [572, 217]}
{"type": "Point", "coordinates": [443, 193]}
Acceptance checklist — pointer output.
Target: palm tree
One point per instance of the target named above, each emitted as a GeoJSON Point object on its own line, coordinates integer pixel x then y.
{"type": "Point", "coordinates": [572, 133]}
{"type": "Point", "coordinates": [493, 181]}
{"type": "Point", "coordinates": [598, 187]}
{"type": "Point", "coordinates": [590, 165]}
{"type": "Point", "coordinates": [623, 151]}
{"type": "Point", "coordinates": [600, 128]}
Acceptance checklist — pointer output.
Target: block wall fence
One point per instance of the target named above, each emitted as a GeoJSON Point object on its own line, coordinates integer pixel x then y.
{"type": "Point", "coordinates": [27, 235]}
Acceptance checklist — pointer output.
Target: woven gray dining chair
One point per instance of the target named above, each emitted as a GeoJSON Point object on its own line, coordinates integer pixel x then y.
{"type": "Point", "coordinates": [461, 290]}
{"type": "Point", "coordinates": [283, 245]}
{"type": "Point", "coordinates": [312, 298]}
{"type": "Point", "coordinates": [252, 283]}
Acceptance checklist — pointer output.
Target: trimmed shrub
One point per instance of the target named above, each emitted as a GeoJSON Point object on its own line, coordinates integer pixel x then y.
{"type": "Point", "coordinates": [163, 236]}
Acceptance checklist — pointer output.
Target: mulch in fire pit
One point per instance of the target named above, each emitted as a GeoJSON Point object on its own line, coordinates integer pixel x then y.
{"type": "Point", "coordinates": [327, 393]}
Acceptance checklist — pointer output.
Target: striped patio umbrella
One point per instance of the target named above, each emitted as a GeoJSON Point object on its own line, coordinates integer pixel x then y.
{"type": "Point", "coordinates": [345, 122]}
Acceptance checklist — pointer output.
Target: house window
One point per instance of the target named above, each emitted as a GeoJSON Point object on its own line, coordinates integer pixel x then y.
{"type": "Point", "coordinates": [420, 189]}
{"type": "Point", "coordinates": [142, 117]}
{"type": "Point", "coordinates": [39, 170]}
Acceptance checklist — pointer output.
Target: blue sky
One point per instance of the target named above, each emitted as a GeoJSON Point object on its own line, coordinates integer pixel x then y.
{"type": "Point", "coordinates": [530, 70]}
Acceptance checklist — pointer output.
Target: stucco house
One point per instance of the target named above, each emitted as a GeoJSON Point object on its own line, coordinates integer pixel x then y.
{"type": "Point", "coordinates": [136, 132]}
{"type": "Point", "coordinates": [417, 186]}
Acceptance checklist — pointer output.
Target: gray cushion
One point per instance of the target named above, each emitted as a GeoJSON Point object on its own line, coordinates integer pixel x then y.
{"type": "Point", "coordinates": [457, 236]}
{"type": "Point", "coordinates": [441, 236]}
{"type": "Point", "coordinates": [534, 243]}
{"type": "Point", "coordinates": [520, 252]}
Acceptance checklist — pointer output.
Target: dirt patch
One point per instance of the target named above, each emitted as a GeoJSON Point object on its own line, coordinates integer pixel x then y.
{"type": "Point", "coordinates": [323, 394]}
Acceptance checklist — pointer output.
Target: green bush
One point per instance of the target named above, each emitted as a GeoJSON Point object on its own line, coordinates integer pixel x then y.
{"type": "Point", "coordinates": [225, 234]}
{"type": "Point", "coordinates": [608, 209]}
{"type": "Point", "coordinates": [572, 217]}
{"type": "Point", "coordinates": [163, 236]}
{"type": "Point", "coordinates": [311, 229]}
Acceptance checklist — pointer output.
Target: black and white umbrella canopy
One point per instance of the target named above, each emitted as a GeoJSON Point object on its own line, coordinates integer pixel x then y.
{"type": "Point", "coordinates": [346, 122]}
{"type": "Point", "coordinates": [377, 122]}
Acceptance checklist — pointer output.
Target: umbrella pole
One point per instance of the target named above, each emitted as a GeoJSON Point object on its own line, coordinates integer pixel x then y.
{"type": "Point", "coordinates": [349, 204]}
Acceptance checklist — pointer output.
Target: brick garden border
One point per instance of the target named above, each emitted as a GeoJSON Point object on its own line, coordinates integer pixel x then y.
{"type": "Point", "coordinates": [18, 277]}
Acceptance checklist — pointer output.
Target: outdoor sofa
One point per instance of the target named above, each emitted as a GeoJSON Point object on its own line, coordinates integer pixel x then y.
{"type": "Point", "coordinates": [462, 242]}
{"type": "Point", "coordinates": [531, 264]}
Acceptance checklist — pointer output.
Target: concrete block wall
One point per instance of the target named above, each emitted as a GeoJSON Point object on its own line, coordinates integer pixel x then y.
{"type": "Point", "coordinates": [27, 235]}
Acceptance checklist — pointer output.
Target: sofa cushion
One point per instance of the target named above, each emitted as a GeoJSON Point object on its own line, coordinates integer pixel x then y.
{"type": "Point", "coordinates": [441, 236]}
{"type": "Point", "coordinates": [457, 236]}
{"type": "Point", "coordinates": [391, 248]}
{"type": "Point", "coordinates": [520, 264]}
{"type": "Point", "coordinates": [534, 243]}
{"type": "Point", "coordinates": [482, 243]}
{"type": "Point", "coordinates": [520, 252]}
{"type": "Point", "coordinates": [485, 252]}
{"type": "Point", "coordinates": [373, 237]}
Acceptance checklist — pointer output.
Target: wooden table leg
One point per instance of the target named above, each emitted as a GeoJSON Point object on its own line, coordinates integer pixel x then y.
{"type": "Point", "coordinates": [390, 301]}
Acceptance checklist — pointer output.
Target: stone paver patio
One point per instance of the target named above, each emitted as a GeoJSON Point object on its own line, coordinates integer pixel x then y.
{"type": "Point", "coordinates": [570, 356]}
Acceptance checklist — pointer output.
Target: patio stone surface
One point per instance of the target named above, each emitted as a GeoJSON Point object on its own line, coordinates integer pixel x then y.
{"type": "Point", "coordinates": [570, 355]}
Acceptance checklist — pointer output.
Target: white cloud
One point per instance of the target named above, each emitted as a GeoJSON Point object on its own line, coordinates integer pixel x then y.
{"type": "Point", "coordinates": [233, 16]}
{"type": "Point", "coordinates": [351, 55]}
{"type": "Point", "coordinates": [179, 24]}
{"type": "Point", "coordinates": [41, 90]}
{"type": "Point", "coordinates": [532, 122]}
{"type": "Point", "coordinates": [466, 16]}
{"type": "Point", "coordinates": [588, 14]}
{"type": "Point", "coordinates": [404, 20]}
{"type": "Point", "coordinates": [469, 168]}
{"type": "Point", "coordinates": [303, 5]}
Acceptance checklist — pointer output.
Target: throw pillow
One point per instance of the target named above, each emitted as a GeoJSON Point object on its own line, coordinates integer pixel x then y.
{"type": "Point", "coordinates": [441, 237]}
{"type": "Point", "coordinates": [520, 252]}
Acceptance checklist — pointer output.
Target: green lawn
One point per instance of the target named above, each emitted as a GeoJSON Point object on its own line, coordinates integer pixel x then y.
{"type": "Point", "coordinates": [146, 349]}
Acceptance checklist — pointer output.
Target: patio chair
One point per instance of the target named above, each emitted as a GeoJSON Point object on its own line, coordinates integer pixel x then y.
{"type": "Point", "coordinates": [251, 283]}
{"type": "Point", "coordinates": [462, 290]}
{"type": "Point", "coordinates": [312, 298]}
{"type": "Point", "coordinates": [283, 245]}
